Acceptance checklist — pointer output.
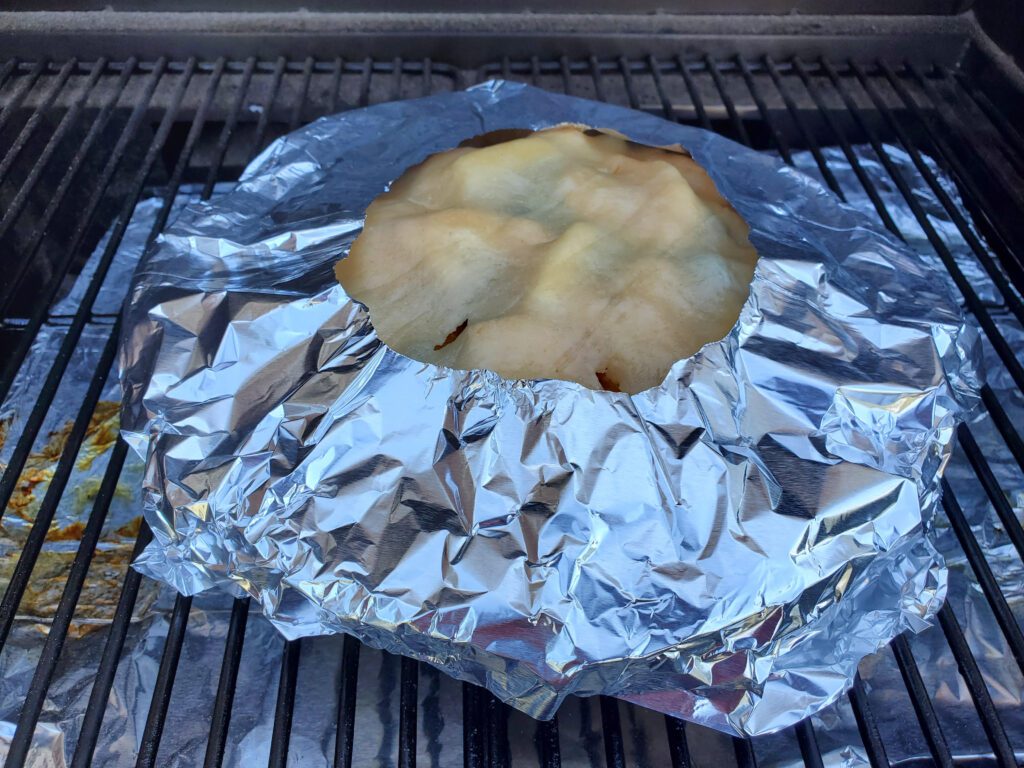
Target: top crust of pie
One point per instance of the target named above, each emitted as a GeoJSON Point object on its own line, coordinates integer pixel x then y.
{"type": "Point", "coordinates": [565, 253]}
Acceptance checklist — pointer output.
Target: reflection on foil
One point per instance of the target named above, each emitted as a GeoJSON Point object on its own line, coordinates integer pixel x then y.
{"type": "Point", "coordinates": [725, 547]}
{"type": "Point", "coordinates": [439, 721]}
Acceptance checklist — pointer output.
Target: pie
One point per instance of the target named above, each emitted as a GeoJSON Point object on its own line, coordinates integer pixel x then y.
{"type": "Point", "coordinates": [567, 253]}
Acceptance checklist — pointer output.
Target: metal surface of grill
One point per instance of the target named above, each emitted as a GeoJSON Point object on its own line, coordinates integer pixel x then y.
{"type": "Point", "coordinates": [82, 142]}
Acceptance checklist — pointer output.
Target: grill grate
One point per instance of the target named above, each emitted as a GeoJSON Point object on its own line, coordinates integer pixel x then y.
{"type": "Point", "coordinates": [82, 143]}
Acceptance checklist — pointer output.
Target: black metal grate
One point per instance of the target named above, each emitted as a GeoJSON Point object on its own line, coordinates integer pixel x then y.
{"type": "Point", "coordinates": [81, 143]}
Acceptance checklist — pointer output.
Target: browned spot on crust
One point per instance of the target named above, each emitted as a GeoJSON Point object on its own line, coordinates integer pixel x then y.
{"type": "Point", "coordinates": [607, 382]}
{"type": "Point", "coordinates": [496, 137]}
{"type": "Point", "coordinates": [453, 335]}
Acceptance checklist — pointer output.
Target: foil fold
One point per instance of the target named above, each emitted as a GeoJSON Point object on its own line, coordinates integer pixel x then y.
{"type": "Point", "coordinates": [724, 547]}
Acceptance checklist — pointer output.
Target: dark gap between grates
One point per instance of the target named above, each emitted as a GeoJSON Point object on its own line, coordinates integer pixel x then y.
{"type": "Point", "coordinates": [84, 142]}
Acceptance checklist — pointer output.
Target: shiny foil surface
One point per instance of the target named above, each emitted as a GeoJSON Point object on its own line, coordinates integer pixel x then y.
{"type": "Point", "coordinates": [725, 547]}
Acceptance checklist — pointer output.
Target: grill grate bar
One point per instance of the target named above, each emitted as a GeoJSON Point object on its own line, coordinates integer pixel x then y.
{"type": "Point", "coordinates": [339, 66]}
{"type": "Point", "coordinates": [397, 67]}
{"type": "Point", "coordinates": [611, 728]}
{"type": "Point", "coordinates": [473, 753]}
{"type": "Point", "coordinates": [24, 87]}
{"type": "Point", "coordinates": [1003, 424]}
{"type": "Point", "coordinates": [625, 69]}
{"type": "Point", "coordinates": [6, 70]}
{"type": "Point", "coordinates": [666, 104]}
{"type": "Point", "coordinates": [969, 671]}
{"type": "Point", "coordinates": [744, 751]}
{"type": "Point", "coordinates": [596, 77]}
{"type": "Point", "coordinates": [36, 697]}
{"type": "Point", "coordinates": [866, 724]}
{"type": "Point", "coordinates": [90, 731]}
{"type": "Point", "coordinates": [221, 718]}
{"type": "Point", "coordinates": [364, 85]}
{"type": "Point", "coordinates": [678, 747]}
{"type": "Point", "coordinates": [285, 705]}
{"type": "Point", "coordinates": [808, 742]}
{"type": "Point", "coordinates": [300, 103]}
{"type": "Point", "coordinates": [739, 131]}
{"type": "Point", "coordinates": [268, 105]}
{"type": "Point", "coordinates": [694, 93]}
{"type": "Point", "coordinates": [982, 466]}
{"type": "Point", "coordinates": [41, 525]}
{"type": "Point", "coordinates": [165, 675]}
{"type": "Point", "coordinates": [408, 690]}
{"type": "Point", "coordinates": [563, 65]}
{"type": "Point", "coordinates": [922, 704]}
{"type": "Point", "coordinates": [229, 128]}
{"type": "Point", "coordinates": [33, 122]}
{"type": "Point", "coordinates": [549, 753]}
{"type": "Point", "coordinates": [497, 732]}
{"type": "Point", "coordinates": [428, 74]}
{"type": "Point", "coordinates": [347, 703]}
{"type": "Point", "coordinates": [995, 494]}
{"type": "Point", "coordinates": [986, 579]}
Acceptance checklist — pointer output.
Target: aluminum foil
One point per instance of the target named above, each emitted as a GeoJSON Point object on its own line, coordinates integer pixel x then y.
{"type": "Point", "coordinates": [725, 547]}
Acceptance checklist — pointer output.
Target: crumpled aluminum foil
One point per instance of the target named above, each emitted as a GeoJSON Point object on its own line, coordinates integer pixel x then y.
{"type": "Point", "coordinates": [724, 547]}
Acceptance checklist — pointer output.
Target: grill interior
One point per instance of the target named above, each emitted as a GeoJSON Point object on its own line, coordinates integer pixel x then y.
{"type": "Point", "coordinates": [82, 142]}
